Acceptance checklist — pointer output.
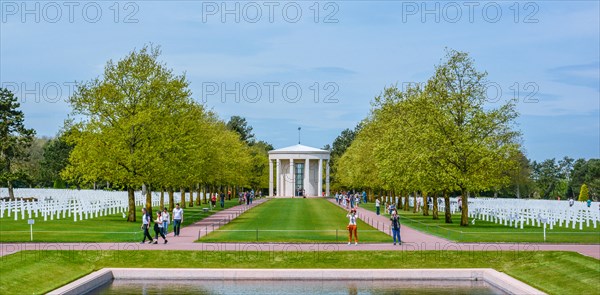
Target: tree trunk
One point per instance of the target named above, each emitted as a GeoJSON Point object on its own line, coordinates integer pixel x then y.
{"type": "Point", "coordinates": [199, 193]}
{"type": "Point", "coordinates": [435, 207]}
{"type": "Point", "coordinates": [171, 199]}
{"type": "Point", "coordinates": [406, 202]}
{"type": "Point", "coordinates": [415, 206]}
{"type": "Point", "coordinates": [464, 216]}
{"type": "Point", "coordinates": [131, 199]}
{"type": "Point", "coordinates": [182, 201]}
{"type": "Point", "coordinates": [518, 192]}
{"type": "Point", "coordinates": [191, 196]}
{"type": "Point", "coordinates": [11, 193]}
{"type": "Point", "coordinates": [162, 198]}
{"type": "Point", "coordinates": [149, 200]}
{"type": "Point", "coordinates": [425, 205]}
{"type": "Point", "coordinates": [447, 213]}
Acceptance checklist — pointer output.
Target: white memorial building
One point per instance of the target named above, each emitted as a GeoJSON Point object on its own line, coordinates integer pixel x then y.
{"type": "Point", "coordinates": [298, 169]}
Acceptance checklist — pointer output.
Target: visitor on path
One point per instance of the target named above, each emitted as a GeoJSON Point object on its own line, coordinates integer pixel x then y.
{"type": "Point", "coordinates": [166, 217]}
{"type": "Point", "coordinates": [589, 203]}
{"type": "Point", "coordinates": [213, 200]}
{"type": "Point", "coordinates": [177, 220]}
{"type": "Point", "coordinates": [145, 225]}
{"type": "Point", "coordinates": [352, 230]}
{"type": "Point", "coordinates": [158, 224]}
{"type": "Point", "coordinates": [377, 205]}
{"type": "Point", "coordinates": [571, 202]}
{"type": "Point", "coordinates": [396, 227]}
{"type": "Point", "coordinates": [222, 199]}
{"type": "Point", "coordinates": [391, 208]}
{"type": "Point", "coordinates": [364, 196]}
{"type": "Point", "coordinates": [459, 201]}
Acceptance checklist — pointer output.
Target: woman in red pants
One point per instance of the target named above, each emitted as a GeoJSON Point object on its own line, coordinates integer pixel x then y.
{"type": "Point", "coordinates": [352, 217]}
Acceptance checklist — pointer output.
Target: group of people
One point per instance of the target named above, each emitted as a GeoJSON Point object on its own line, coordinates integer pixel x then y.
{"type": "Point", "coordinates": [350, 200]}
{"type": "Point", "coordinates": [353, 200]}
{"type": "Point", "coordinates": [248, 196]}
{"type": "Point", "coordinates": [161, 224]}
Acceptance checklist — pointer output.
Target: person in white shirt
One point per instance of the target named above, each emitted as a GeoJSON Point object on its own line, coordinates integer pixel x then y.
{"type": "Point", "coordinates": [177, 220]}
{"type": "Point", "coordinates": [166, 218]}
{"type": "Point", "coordinates": [352, 230]}
{"type": "Point", "coordinates": [377, 205]}
{"type": "Point", "coordinates": [158, 224]}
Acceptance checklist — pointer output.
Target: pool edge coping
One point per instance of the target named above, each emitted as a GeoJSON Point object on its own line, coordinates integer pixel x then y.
{"type": "Point", "coordinates": [491, 276]}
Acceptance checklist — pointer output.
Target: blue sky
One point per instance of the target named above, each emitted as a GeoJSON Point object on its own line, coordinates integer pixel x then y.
{"type": "Point", "coordinates": [351, 50]}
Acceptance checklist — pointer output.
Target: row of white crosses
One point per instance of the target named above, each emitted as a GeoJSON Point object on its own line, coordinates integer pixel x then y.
{"type": "Point", "coordinates": [62, 203]}
{"type": "Point", "coordinates": [140, 199]}
{"type": "Point", "coordinates": [398, 201]}
{"type": "Point", "coordinates": [51, 204]}
{"type": "Point", "coordinates": [519, 212]}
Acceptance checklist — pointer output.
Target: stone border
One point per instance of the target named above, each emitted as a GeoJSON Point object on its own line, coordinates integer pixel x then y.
{"type": "Point", "coordinates": [496, 279]}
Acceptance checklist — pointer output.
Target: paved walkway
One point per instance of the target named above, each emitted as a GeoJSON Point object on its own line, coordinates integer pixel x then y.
{"type": "Point", "coordinates": [413, 240]}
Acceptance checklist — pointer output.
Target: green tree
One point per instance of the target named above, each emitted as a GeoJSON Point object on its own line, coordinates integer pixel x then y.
{"type": "Point", "coordinates": [55, 159]}
{"type": "Point", "coordinates": [547, 176]}
{"type": "Point", "coordinates": [583, 193]}
{"type": "Point", "coordinates": [240, 125]}
{"type": "Point", "coordinates": [121, 133]}
{"type": "Point", "coordinates": [587, 172]}
{"type": "Point", "coordinates": [480, 142]}
{"type": "Point", "coordinates": [341, 143]}
{"type": "Point", "coordinates": [15, 139]}
{"type": "Point", "coordinates": [33, 175]}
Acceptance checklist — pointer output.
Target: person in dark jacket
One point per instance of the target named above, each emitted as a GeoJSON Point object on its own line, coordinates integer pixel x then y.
{"type": "Point", "coordinates": [396, 227]}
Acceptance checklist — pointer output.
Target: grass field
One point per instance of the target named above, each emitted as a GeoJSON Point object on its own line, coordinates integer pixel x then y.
{"type": "Point", "coordinates": [110, 228]}
{"type": "Point", "coordinates": [484, 231]}
{"type": "Point", "coordinates": [36, 272]}
{"type": "Point", "coordinates": [294, 220]}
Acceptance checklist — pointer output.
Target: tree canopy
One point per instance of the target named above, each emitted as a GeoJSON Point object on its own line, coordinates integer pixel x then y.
{"type": "Point", "coordinates": [441, 137]}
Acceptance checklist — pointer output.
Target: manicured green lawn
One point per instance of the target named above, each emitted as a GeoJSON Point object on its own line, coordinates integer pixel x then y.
{"type": "Point", "coordinates": [36, 272]}
{"type": "Point", "coordinates": [110, 228]}
{"type": "Point", "coordinates": [294, 220]}
{"type": "Point", "coordinates": [485, 231]}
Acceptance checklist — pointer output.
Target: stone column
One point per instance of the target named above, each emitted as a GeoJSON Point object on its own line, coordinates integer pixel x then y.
{"type": "Point", "coordinates": [327, 179]}
{"type": "Point", "coordinates": [292, 178]}
{"type": "Point", "coordinates": [278, 177]}
{"type": "Point", "coordinates": [320, 178]}
{"type": "Point", "coordinates": [270, 178]}
{"type": "Point", "coordinates": [306, 176]}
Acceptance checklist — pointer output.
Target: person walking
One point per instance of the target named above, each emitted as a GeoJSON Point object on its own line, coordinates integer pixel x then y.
{"type": "Point", "coordinates": [158, 224]}
{"type": "Point", "coordinates": [177, 220]}
{"type": "Point", "coordinates": [165, 217]}
{"type": "Point", "coordinates": [222, 196]}
{"type": "Point", "coordinates": [145, 225]}
{"type": "Point", "coordinates": [377, 205]}
{"type": "Point", "coordinates": [396, 227]}
{"type": "Point", "coordinates": [352, 230]}
{"type": "Point", "coordinates": [213, 200]}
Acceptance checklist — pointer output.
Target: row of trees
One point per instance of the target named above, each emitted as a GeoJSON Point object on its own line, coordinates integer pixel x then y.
{"type": "Point", "coordinates": [442, 139]}
{"type": "Point", "coordinates": [138, 126]}
{"type": "Point", "coordinates": [435, 139]}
